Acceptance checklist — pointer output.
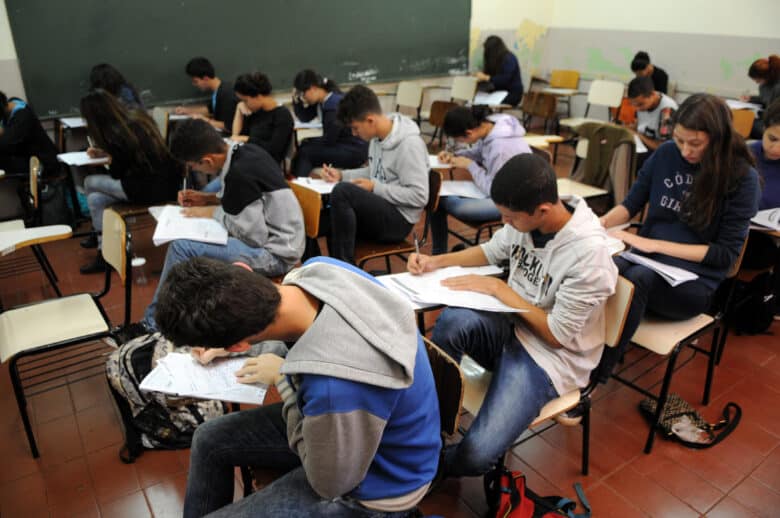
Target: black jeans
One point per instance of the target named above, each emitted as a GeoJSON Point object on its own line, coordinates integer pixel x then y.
{"type": "Point", "coordinates": [653, 293]}
{"type": "Point", "coordinates": [357, 213]}
{"type": "Point", "coordinates": [313, 152]}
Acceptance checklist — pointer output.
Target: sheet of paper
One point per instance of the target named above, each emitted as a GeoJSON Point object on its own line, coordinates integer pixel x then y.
{"type": "Point", "coordinates": [769, 218]}
{"type": "Point", "coordinates": [315, 124]}
{"type": "Point", "coordinates": [433, 163]}
{"type": "Point", "coordinates": [640, 146]}
{"type": "Point", "coordinates": [491, 99]}
{"type": "Point", "coordinates": [73, 122]}
{"type": "Point", "coordinates": [172, 224]}
{"type": "Point", "coordinates": [178, 116]}
{"type": "Point", "coordinates": [80, 158]}
{"type": "Point", "coordinates": [463, 188]}
{"type": "Point", "coordinates": [671, 274]}
{"type": "Point", "coordinates": [180, 374]}
{"type": "Point", "coordinates": [427, 289]}
{"type": "Point", "coordinates": [315, 184]}
{"type": "Point", "coordinates": [742, 105]}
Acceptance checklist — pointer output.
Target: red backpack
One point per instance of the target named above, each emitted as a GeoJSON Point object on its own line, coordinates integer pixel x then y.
{"type": "Point", "coordinates": [508, 495]}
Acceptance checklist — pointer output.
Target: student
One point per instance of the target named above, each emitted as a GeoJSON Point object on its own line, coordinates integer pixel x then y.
{"type": "Point", "coordinates": [642, 67]}
{"type": "Point", "coordinates": [21, 137]}
{"type": "Point", "coordinates": [492, 139]}
{"type": "Point", "coordinates": [259, 119]}
{"type": "Point", "coordinates": [560, 274]}
{"type": "Point", "coordinates": [766, 74]}
{"type": "Point", "coordinates": [383, 201]}
{"type": "Point", "coordinates": [358, 429]}
{"type": "Point", "coordinates": [319, 97]}
{"type": "Point", "coordinates": [501, 70]}
{"type": "Point", "coordinates": [141, 169]}
{"type": "Point", "coordinates": [221, 109]}
{"type": "Point", "coordinates": [108, 78]}
{"type": "Point", "coordinates": [654, 112]}
{"type": "Point", "coordinates": [255, 205]}
{"type": "Point", "coordinates": [701, 191]}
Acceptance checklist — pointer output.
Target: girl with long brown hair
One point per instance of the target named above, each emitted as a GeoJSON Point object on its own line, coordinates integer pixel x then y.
{"type": "Point", "coordinates": [701, 190]}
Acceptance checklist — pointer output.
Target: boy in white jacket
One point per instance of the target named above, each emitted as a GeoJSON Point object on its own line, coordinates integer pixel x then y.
{"type": "Point", "coordinates": [560, 275]}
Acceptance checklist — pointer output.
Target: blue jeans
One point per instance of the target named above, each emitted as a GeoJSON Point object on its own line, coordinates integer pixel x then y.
{"type": "Point", "coordinates": [517, 392]}
{"type": "Point", "coordinates": [260, 259]}
{"type": "Point", "coordinates": [471, 210]}
{"type": "Point", "coordinates": [102, 191]}
{"type": "Point", "coordinates": [256, 437]}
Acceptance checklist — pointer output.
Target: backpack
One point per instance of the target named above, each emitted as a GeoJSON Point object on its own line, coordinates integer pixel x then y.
{"type": "Point", "coordinates": [152, 420]}
{"type": "Point", "coordinates": [754, 308]}
{"type": "Point", "coordinates": [509, 497]}
{"type": "Point", "coordinates": [55, 205]}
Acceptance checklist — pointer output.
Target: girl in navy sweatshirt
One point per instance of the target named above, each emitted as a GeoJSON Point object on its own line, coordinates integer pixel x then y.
{"type": "Point", "coordinates": [315, 97]}
{"type": "Point", "coordinates": [701, 191]}
{"type": "Point", "coordinates": [501, 70]}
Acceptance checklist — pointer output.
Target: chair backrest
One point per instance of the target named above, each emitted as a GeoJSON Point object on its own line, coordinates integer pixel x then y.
{"type": "Point", "coordinates": [311, 205]}
{"type": "Point", "coordinates": [35, 175]}
{"type": "Point", "coordinates": [439, 110]}
{"type": "Point", "coordinates": [115, 249]}
{"type": "Point", "coordinates": [734, 270]}
{"type": "Point", "coordinates": [449, 386]}
{"type": "Point", "coordinates": [434, 187]}
{"type": "Point", "coordinates": [463, 88]}
{"type": "Point", "coordinates": [409, 94]}
{"type": "Point", "coordinates": [606, 93]}
{"type": "Point", "coordinates": [161, 118]}
{"type": "Point", "coordinates": [564, 79]}
{"type": "Point", "coordinates": [743, 121]}
{"type": "Point", "coordinates": [616, 310]}
{"type": "Point", "coordinates": [542, 153]}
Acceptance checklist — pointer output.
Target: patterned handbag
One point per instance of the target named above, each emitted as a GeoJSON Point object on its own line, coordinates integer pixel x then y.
{"type": "Point", "coordinates": [679, 420]}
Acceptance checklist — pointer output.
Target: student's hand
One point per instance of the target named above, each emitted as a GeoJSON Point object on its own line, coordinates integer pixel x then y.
{"type": "Point", "coordinates": [198, 212]}
{"type": "Point", "coordinates": [261, 369]}
{"type": "Point", "coordinates": [421, 263]}
{"type": "Point", "coordinates": [192, 198]}
{"type": "Point", "coordinates": [445, 157]}
{"type": "Point", "coordinates": [364, 183]}
{"type": "Point", "coordinates": [206, 355]}
{"type": "Point", "coordinates": [94, 152]}
{"type": "Point", "coordinates": [643, 244]}
{"type": "Point", "coordinates": [461, 162]}
{"type": "Point", "coordinates": [239, 138]}
{"type": "Point", "coordinates": [744, 98]}
{"type": "Point", "coordinates": [331, 174]}
{"type": "Point", "coordinates": [180, 110]}
{"type": "Point", "coordinates": [479, 283]}
{"type": "Point", "coordinates": [244, 109]}
{"type": "Point", "coordinates": [603, 221]}
{"type": "Point", "coordinates": [481, 76]}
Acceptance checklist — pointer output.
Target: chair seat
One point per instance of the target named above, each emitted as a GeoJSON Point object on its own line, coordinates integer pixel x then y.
{"type": "Point", "coordinates": [573, 122]}
{"type": "Point", "coordinates": [661, 336]}
{"type": "Point", "coordinates": [49, 322]}
{"type": "Point", "coordinates": [477, 380]}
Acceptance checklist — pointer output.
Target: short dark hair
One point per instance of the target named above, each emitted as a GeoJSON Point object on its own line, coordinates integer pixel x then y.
{"type": "Point", "coordinates": [200, 67]}
{"type": "Point", "coordinates": [524, 182]}
{"type": "Point", "coordinates": [640, 61]}
{"type": "Point", "coordinates": [307, 78]}
{"type": "Point", "coordinates": [772, 114]}
{"type": "Point", "coordinates": [209, 303]}
{"type": "Point", "coordinates": [460, 119]}
{"type": "Point", "coordinates": [640, 87]}
{"type": "Point", "coordinates": [3, 99]}
{"type": "Point", "coordinates": [253, 84]}
{"type": "Point", "coordinates": [195, 138]}
{"type": "Point", "coordinates": [356, 104]}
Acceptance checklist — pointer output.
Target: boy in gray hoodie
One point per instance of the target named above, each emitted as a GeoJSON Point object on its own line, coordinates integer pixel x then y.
{"type": "Point", "coordinates": [384, 200]}
{"type": "Point", "coordinates": [358, 432]}
{"type": "Point", "coordinates": [560, 275]}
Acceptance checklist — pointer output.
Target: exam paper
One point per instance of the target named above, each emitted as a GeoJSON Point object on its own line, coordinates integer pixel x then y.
{"type": "Point", "coordinates": [671, 274]}
{"type": "Point", "coordinates": [172, 224]}
{"type": "Point", "coordinates": [463, 188]}
{"type": "Point", "coordinates": [316, 184]}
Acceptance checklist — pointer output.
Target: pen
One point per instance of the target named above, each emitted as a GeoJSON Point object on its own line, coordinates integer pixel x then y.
{"type": "Point", "coordinates": [416, 243]}
{"type": "Point", "coordinates": [184, 186]}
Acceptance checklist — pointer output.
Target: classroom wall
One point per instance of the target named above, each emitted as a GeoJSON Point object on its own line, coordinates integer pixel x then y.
{"type": "Point", "coordinates": [10, 76]}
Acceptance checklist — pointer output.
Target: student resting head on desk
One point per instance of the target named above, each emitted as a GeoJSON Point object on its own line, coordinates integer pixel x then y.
{"type": "Point", "coordinates": [384, 200]}
{"type": "Point", "coordinates": [501, 71]}
{"type": "Point", "coordinates": [319, 97]}
{"type": "Point", "coordinates": [491, 140]}
{"type": "Point", "coordinates": [255, 205]}
{"type": "Point", "coordinates": [654, 112]}
{"type": "Point", "coordinates": [560, 275]}
{"type": "Point", "coordinates": [642, 67]}
{"type": "Point", "coordinates": [21, 137]}
{"type": "Point", "coordinates": [108, 78]}
{"type": "Point", "coordinates": [701, 191]}
{"type": "Point", "coordinates": [221, 108]}
{"type": "Point", "coordinates": [259, 119]}
{"type": "Point", "coordinates": [358, 430]}
{"type": "Point", "coordinates": [141, 169]}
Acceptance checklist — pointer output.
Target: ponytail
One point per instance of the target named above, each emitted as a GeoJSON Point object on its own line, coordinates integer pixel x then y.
{"type": "Point", "coordinates": [307, 78]}
{"type": "Point", "coordinates": [767, 69]}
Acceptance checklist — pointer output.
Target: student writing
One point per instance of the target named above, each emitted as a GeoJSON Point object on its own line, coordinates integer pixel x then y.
{"type": "Point", "coordinates": [221, 108]}
{"type": "Point", "coordinates": [501, 70]}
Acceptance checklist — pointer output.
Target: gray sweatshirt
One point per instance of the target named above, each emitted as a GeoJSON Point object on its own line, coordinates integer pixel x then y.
{"type": "Point", "coordinates": [398, 165]}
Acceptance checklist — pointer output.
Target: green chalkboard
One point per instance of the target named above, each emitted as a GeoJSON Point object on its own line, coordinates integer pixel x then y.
{"type": "Point", "coordinates": [150, 42]}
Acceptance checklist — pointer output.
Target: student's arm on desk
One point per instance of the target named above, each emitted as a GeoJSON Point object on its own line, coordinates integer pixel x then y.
{"type": "Point", "coordinates": [238, 122]}
{"type": "Point", "coordinates": [195, 109]}
{"type": "Point", "coordinates": [193, 198]}
{"type": "Point", "coordinates": [200, 212]}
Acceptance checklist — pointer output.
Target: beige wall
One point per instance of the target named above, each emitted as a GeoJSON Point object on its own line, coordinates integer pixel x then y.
{"type": "Point", "coordinates": [10, 77]}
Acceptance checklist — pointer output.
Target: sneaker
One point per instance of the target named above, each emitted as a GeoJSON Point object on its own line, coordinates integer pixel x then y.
{"type": "Point", "coordinates": [96, 266]}
{"type": "Point", "coordinates": [90, 242]}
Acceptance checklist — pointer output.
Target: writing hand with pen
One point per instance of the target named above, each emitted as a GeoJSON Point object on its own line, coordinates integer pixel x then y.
{"type": "Point", "coordinates": [333, 175]}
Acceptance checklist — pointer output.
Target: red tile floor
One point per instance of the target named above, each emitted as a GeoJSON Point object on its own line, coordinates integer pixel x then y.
{"type": "Point", "coordinates": [79, 472]}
